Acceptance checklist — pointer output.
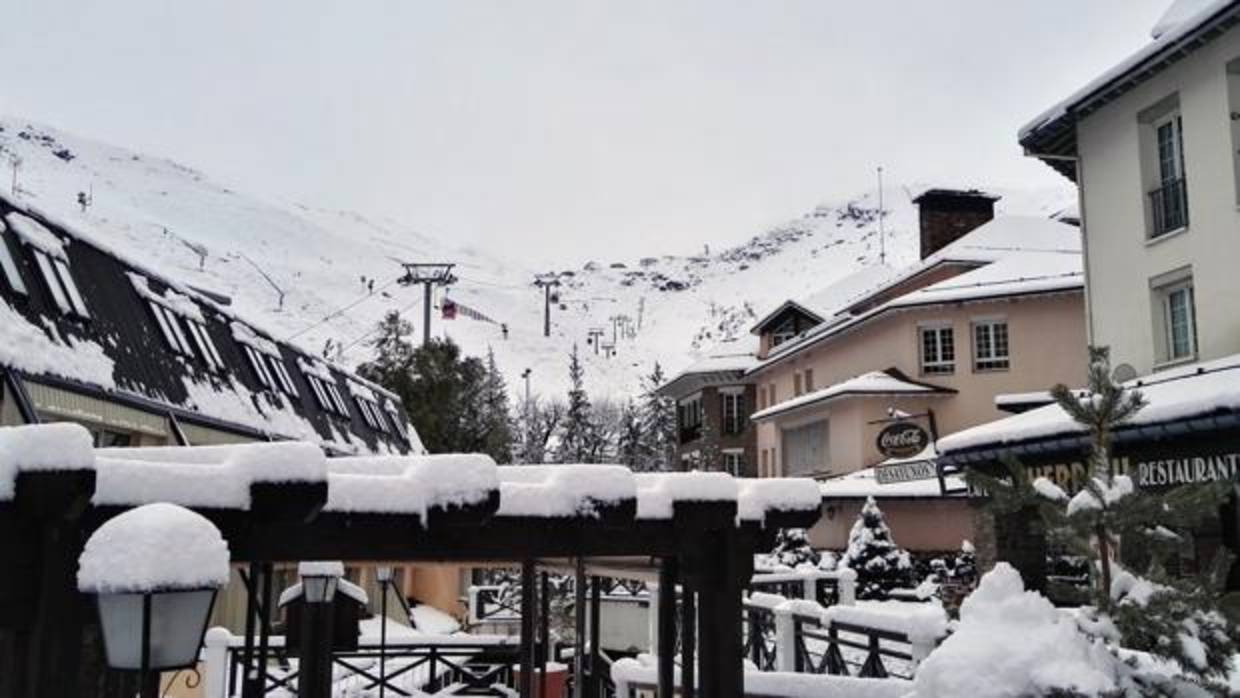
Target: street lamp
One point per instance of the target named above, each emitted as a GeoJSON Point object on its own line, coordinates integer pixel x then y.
{"type": "Point", "coordinates": [319, 586]}
{"type": "Point", "coordinates": [155, 571]}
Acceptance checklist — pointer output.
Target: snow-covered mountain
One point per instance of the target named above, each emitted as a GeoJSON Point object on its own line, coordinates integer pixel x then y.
{"type": "Point", "coordinates": [326, 263]}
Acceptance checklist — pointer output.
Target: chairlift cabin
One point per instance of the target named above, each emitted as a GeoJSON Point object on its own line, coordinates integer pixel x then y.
{"type": "Point", "coordinates": [448, 307]}
{"type": "Point", "coordinates": [284, 502]}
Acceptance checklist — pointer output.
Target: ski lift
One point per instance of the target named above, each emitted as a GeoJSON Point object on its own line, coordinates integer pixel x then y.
{"type": "Point", "coordinates": [449, 309]}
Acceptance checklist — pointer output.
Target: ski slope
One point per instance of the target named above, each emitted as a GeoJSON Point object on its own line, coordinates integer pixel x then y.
{"type": "Point", "coordinates": [325, 263]}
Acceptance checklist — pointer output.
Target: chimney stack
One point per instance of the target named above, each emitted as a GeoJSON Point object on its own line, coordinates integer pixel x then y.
{"type": "Point", "coordinates": [946, 215]}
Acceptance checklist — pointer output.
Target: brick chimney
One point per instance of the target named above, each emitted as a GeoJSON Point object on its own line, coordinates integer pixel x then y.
{"type": "Point", "coordinates": [946, 215]}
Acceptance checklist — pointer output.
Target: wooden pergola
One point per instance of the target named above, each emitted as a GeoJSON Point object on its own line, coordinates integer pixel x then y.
{"type": "Point", "coordinates": [683, 527]}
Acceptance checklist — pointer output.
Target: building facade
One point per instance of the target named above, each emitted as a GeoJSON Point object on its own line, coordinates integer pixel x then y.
{"type": "Point", "coordinates": [713, 405]}
{"type": "Point", "coordinates": [986, 312]}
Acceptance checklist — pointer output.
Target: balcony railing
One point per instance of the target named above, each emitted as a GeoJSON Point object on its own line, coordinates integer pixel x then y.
{"type": "Point", "coordinates": [1169, 206]}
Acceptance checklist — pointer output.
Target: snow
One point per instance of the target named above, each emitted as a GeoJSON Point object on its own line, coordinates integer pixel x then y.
{"type": "Point", "coordinates": [202, 476]}
{"type": "Point", "coordinates": [409, 484]}
{"type": "Point", "coordinates": [921, 622]}
{"type": "Point", "coordinates": [872, 383]}
{"type": "Point", "coordinates": [244, 334]}
{"type": "Point", "coordinates": [42, 447]}
{"type": "Point", "coordinates": [178, 303]}
{"type": "Point", "coordinates": [657, 493]}
{"type": "Point", "coordinates": [155, 547]}
{"type": "Point", "coordinates": [1191, 391]}
{"type": "Point", "coordinates": [1181, 20]}
{"type": "Point", "coordinates": [1012, 642]}
{"type": "Point", "coordinates": [863, 483]}
{"type": "Point", "coordinates": [1045, 488]}
{"type": "Point", "coordinates": [137, 197]}
{"type": "Point", "coordinates": [1085, 500]}
{"type": "Point", "coordinates": [755, 498]}
{"type": "Point", "coordinates": [34, 233]}
{"type": "Point", "coordinates": [320, 568]}
{"type": "Point", "coordinates": [562, 490]}
{"type": "Point", "coordinates": [642, 670]}
{"type": "Point", "coordinates": [28, 348]}
{"type": "Point", "coordinates": [432, 621]}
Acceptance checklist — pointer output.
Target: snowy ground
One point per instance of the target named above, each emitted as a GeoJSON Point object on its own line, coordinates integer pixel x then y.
{"type": "Point", "coordinates": [211, 236]}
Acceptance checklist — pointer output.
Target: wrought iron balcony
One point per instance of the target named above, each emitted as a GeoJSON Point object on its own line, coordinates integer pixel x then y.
{"type": "Point", "coordinates": [1169, 206]}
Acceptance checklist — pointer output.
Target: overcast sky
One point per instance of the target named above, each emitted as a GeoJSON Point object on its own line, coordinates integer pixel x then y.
{"type": "Point", "coordinates": [566, 130]}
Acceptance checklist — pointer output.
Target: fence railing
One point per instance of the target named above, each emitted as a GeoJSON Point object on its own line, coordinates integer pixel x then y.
{"type": "Point", "coordinates": [1169, 207]}
{"type": "Point", "coordinates": [826, 588]}
{"type": "Point", "coordinates": [453, 665]}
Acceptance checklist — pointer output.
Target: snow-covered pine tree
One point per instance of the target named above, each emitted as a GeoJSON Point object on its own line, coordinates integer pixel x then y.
{"type": "Point", "coordinates": [630, 441]}
{"type": "Point", "coordinates": [496, 415]}
{"type": "Point", "coordinates": [1185, 619]}
{"type": "Point", "coordinates": [792, 548]}
{"type": "Point", "coordinates": [880, 564]}
{"type": "Point", "coordinates": [658, 419]}
{"type": "Point", "coordinates": [575, 434]}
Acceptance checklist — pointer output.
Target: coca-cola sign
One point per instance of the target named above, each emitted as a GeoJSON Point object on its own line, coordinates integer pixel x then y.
{"type": "Point", "coordinates": [902, 440]}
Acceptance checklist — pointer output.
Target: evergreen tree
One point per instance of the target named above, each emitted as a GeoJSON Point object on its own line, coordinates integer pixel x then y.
{"type": "Point", "coordinates": [392, 366]}
{"type": "Point", "coordinates": [792, 548]}
{"type": "Point", "coordinates": [1183, 620]}
{"type": "Point", "coordinates": [880, 564]}
{"type": "Point", "coordinates": [575, 439]}
{"type": "Point", "coordinates": [630, 440]}
{"type": "Point", "coordinates": [658, 419]}
{"type": "Point", "coordinates": [496, 415]}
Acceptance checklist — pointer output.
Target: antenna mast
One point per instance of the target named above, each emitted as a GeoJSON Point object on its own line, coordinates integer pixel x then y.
{"type": "Point", "coordinates": [882, 234]}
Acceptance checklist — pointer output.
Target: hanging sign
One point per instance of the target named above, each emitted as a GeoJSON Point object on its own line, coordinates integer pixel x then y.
{"type": "Point", "coordinates": [902, 440]}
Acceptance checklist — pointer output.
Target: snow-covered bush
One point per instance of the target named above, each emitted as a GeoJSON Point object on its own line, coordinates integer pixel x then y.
{"type": "Point", "coordinates": [880, 564]}
{"type": "Point", "coordinates": [792, 548]}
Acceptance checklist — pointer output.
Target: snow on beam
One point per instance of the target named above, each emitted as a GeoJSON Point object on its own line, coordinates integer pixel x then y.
{"type": "Point", "coordinates": [563, 491]}
{"type": "Point", "coordinates": [758, 499]}
{"type": "Point", "coordinates": [658, 493]}
{"type": "Point", "coordinates": [42, 447]}
{"type": "Point", "coordinates": [409, 484]}
{"type": "Point", "coordinates": [203, 476]}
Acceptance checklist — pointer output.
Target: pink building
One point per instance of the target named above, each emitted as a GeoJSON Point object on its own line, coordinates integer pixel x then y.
{"type": "Point", "coordinates": [994, 309]}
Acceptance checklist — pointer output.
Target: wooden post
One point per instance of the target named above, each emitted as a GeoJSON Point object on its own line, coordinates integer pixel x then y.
{"type": "Point", "coordinates": [264, 629]}
{"type": "Point", "coordinates": [314, 676]}
{"type": "Point", "coordinates": [544, 631]}
{"type": "Point", "coordinates": [249, 689]}
{"type": "Point", "coordinates": [527, 628]}
{"type": "Point", "coordinates": [667, 628]}
{"type": "Point", "coordinates": [579, 628]}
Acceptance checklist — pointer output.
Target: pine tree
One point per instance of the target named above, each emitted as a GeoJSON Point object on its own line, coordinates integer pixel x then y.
{"type": "Point", "coordinates": [792, 548]}
{"type": "Point", "coordinates": [880, 564]}
{"type": "Point", "coordinates": [575, 437]}
{"type": "Point", "coordinates": [1183, 620]}
{"type": "Point", "coordinates": [630, 441]}
{"type": "Point", "coordinates": [496, 415]}
{"type": "Point", "coordinates": [658, 418]}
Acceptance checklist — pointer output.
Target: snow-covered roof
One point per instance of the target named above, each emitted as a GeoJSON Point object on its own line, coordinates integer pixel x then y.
{"type": "Point", "coordinates": [1202, 389]}
{"type": "Point", "coordinates": [828, 301]}
{"type": "Point", "coordinates": [863, 483]}
{"type": "Point", "coordinates": [1011, 255]}
{"type": "Point", "coordinates": [562, 490]}
{"type": "Point", "coordinates": [727, 360]}
{"type": "Point", "coordinates": [1172, 35]}
{"type": "Point", "coordinates": [889, 382]}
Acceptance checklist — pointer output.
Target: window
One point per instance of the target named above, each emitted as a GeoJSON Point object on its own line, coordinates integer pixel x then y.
{"type": "Point", "coordinates": [197, 342]}
{"type": "Point", "coordinates": [690, 412]}
{"type": "Point", "coordinates": [809, 380]}
{"type": "Point", "coordinates": [206, 347]}
{"type": "Point", "coordinates": [796, 384]}
{"type": "Point", "coordinates": [1180, 319]}
{"type": "Point", "coordinates": [733, 462]}
{"type": "Point", "coordinates": [938, 351]}
{"type": "Point", "coordinates": [71, 289]}
{"type": "Point", "coordinates": [258, 366]}
{"type": "Point", "coordinates": [805, 449]}
{"type": "Point", "coordinates": [395, 418]}
{"type": "Point", "coordinates": [784, 331]}
{"type": "Point", "coordinates": [282, 375]}
{"type": "Point", "coordinates": [733, 412]}
{"type": "Point", "coordinates": [8, 266]}
{"type": "Point", "coordinates": [327, 394]}
{"type": "Point", "coordinates": [371, 413]}
{"type": "Point", "coordinates": [1164, 166]}
{"type": "Point", "coordinates": [766, 462]}
{"type": "Point", "coordinates": [990, 345]}
{"type": "Point", "coordinates": [771, 397]}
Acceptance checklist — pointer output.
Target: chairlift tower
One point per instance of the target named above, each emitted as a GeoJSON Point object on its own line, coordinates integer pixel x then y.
{"type": "Point", "coordinates": [596, 333]}
{"type": "Point", "coordinates": [429, 275]}
{"type": "Point", "coordinates": [546, 283]}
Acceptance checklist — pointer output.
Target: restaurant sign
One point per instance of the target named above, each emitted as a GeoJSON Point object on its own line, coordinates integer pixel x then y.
{"type": "Point", "coordinates": [1151, 472]}
{"type": "Point", "coordinates": [905, 472]}
{"type": "Point", "coordinates": [902, 440]}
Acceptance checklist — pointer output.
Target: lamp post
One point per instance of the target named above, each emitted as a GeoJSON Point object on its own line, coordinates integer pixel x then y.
{"type": "Point", "coordinates": [384, 575]}
{"type": "Point", "coordinates": [154, 599]}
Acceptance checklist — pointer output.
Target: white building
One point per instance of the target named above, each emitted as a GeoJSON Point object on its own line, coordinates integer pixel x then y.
{"type": "Point", "coordinates": [1154, 145]}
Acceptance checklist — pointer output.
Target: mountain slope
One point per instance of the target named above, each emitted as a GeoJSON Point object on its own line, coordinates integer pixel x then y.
{"type": "Point", "coordinates": [325, 263]}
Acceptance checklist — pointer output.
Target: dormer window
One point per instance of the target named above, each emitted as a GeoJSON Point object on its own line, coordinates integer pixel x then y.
{"type": "Point", "coordinates": [53, 264]}
{"type": "Point", "coordinates": [265, 361]}
{"type": "Point", "coordinates": [371, 413]}
{"type": "Point", "coordinates": [785, 331]}
{"type": "Point", "coordinates": [323, 385]}
{"type": "Point", "coordinates": [398, 424]}
{"type": "Point", "coordinates": [180, 322]}
{"type": "Point", "coordinates": [8, 267]}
